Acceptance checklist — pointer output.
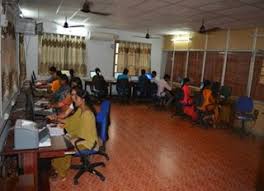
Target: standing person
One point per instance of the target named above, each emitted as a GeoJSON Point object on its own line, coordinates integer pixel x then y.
{"type": "Point", "coordinates": [82, 125]}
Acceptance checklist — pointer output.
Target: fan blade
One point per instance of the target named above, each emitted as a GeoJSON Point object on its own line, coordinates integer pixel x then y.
{"type": "Point", "coordinates": [75, 26]}
{"type": "Point", "coordinates": [213, 29]}
{"type": "Point", "coordinates": [140, 36]}
{"type": "Point", "coordinates": [100, 13]}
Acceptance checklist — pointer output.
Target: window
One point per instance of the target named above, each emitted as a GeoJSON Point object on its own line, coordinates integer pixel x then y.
{"type": "Point", "coordinates": [179, 66]}
{"type": "Point", "coordinates": [132, 55]}
{"type": "Point", "coordinates": [116, 57]}
{"type": "Point", "coordinates": [237, 71]}
{"type": "Point", "coordinates": [257, 88]}
{"type": "Point", "coordinates": [195, 65]}
{"type": "Point", "coordinates": [214, 66]}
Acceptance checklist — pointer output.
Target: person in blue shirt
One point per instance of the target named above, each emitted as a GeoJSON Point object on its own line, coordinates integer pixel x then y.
{"type": "Point", "coordinates": [124, 75]}
{"type": "Point", "coordinates": [143, 84]}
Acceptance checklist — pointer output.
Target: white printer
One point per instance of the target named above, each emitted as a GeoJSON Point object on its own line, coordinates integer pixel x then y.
{"type": "Point", "coordinates": [28, 136]}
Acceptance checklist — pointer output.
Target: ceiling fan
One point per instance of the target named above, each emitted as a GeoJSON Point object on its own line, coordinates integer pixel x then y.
{"type": "Point", "coordinates": [148, 36]}
{"type": "Point", "coordinates": [203, 30]}
{"type": "Point", "coordinates": [86, 8]}
{"type": "Point", "coordinates": [66, 24]}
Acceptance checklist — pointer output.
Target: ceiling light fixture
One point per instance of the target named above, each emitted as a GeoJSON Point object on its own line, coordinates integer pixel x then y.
{"type": "Point", "coordinates": [181, 37]}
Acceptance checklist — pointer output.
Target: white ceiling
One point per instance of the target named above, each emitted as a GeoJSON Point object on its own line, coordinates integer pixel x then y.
{"type": "Point", "coordinates": [160, 16]}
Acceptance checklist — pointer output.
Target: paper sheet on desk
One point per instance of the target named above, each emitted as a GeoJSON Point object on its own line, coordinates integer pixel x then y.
{"type": "Point", "coordinates": [40, 102]}
{"type": "Point", "coordinates": [56, 131]}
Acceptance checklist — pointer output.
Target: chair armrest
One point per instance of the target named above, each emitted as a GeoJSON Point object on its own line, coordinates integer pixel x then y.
{"type": "Point", "coordinates": [77, 148]}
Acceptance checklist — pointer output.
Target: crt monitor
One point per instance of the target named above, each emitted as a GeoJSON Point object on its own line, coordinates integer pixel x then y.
{"type": "Point", "coordinates": [149, 76]}
{"type": "Point", "coordinates": [66, 72]}
{"type": "Point", "coordinates": [92, 74]}
{"type": "Point", "coordinates": [117, 74]}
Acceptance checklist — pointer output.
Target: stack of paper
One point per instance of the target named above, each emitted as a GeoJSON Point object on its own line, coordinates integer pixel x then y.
{"type": "Point", "coordinates": [56, 131]}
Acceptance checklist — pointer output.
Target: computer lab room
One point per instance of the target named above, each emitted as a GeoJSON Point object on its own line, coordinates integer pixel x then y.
{"type": "Point", "coordinates": [122, 95]}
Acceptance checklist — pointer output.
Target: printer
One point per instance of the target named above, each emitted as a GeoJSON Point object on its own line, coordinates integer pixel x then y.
{"type": "Point", "coordinates": [28, 136]}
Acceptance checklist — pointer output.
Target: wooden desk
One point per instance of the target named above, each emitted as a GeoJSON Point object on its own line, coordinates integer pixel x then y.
{"type": "Point", "coordinates": [30, 157]}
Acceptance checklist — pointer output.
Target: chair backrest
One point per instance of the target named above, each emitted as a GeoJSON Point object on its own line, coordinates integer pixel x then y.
{"type": "Point", "coordinates": [99, 83]}
{"type": "Point", "coordinates": [103, 120]}
{"type": "Point", "coordinates": [225, 91]}
{"type": "Point", "coordinates": [122, 84]}
{"type": "Point", "coordinates": [244, 104]}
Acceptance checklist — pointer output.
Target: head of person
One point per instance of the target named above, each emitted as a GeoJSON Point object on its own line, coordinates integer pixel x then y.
{"type": "Point", "coordinates": [71, 72]}
{"type": "Point", "coordinates": [57, 74]}
{"type": "Point", "coordinates": [97, 71]}
{"type": "Point", "coordinates": [185, 81]}
{"type": "Point", "coordinates": [52, 71]}
{"type": "Point", "coordinates": [143, 72]}
{"type": "Point", "coordinates": [76, 82]}
{"type": "Point", "coordinates": [82, 98]}
{"type": "Point", "coordinates": [166, 77]}
{"type": "Point", "coordinates": [153, 74]}
{"type": "Point", "coordinates": [206, 84]}
{"type": "Point", "coordinates": [125, 72]}
{"type": "Point", "coordinates": [63, 79]}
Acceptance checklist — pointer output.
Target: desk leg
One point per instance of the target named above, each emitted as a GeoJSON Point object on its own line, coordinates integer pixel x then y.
{"type": "Point", "coordinates": [30, 165]}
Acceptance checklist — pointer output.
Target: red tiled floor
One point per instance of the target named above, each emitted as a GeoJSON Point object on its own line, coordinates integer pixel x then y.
{"type": "Point", "coordinates": [150, 151]}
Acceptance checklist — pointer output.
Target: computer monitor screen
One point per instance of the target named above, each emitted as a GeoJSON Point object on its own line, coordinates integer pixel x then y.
{"type": "Point", "coordinates": [66, 72]}
{"type": "Point", "coordinates": [117, 74]}
{"type": "Point", "coordinates": [92, 74]}
{"type": "Point", "coordinates": [134, 78]}
{"type": "Point", "coordinates": [149, 76]}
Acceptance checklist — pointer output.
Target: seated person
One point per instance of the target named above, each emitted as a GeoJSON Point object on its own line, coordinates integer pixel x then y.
{"type": "Point", "coordinates": [81, 124]}
{"type": "Point", "coordinates": [55, 84]}
{"type": "Point", "coordinates": [71, 75]}
{"type": "Point", "coordinates": [163, 86]}
{"type": "Point", "coordinates": [187, 102]}
{"type": "Point", "coordinates": [65, 106]}
{"type": "Point", "coordinates": [164, 89]}
{"type": "Point", "coordinates": [209, 103]}
{"type": "Point", "coordinates": [143, 84]}
{"type": "Point", "coordinates": [99, 85]}
{"type": "Point", "coordinates": [52, 71]}
{"type": "Point", "coordinates": [124, 75]}
{"type": "Point", "coordinates": [61, 93]}
{"type": "Point", "coordinates": [44, 83]}
{"type": "Point", "coordinates": [122, 85]}
{"type": "Point", "coordinates": [154, 77]}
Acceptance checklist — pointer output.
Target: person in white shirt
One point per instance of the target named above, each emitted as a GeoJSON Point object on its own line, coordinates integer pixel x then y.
{"type": "Point", "coordinates": [163, 86]}
{"type": "Point", "coordinates": [153, 77]}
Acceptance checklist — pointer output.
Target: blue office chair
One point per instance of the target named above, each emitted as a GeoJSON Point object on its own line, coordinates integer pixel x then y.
{"type": "Point", "coordinates": [102, 128]}
{"type": "Point", "coordinates": [244, 110]}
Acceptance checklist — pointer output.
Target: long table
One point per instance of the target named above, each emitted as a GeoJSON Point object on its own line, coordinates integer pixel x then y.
{"type": "Point", "coordinates": [30, 159]}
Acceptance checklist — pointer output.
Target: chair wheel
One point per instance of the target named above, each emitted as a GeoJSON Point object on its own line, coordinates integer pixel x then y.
{"type": "Point", "coordinates": [76, 182]}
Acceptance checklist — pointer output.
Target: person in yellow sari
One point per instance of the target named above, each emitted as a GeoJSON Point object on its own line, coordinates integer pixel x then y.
{"type": "Point", "coordinates": [82, 125]}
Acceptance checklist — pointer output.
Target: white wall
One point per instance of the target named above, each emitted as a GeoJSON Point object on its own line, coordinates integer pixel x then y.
{"type": "Point", "coordinates": [99, 53]}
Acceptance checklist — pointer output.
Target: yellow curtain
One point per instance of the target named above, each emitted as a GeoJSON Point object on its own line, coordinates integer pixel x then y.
{"type": "Point", "coordinates": [133, 56]}
{"type": "Point", "coordinates": [8, 59]}
{"type": "Point", "coordinates": [62, 51]}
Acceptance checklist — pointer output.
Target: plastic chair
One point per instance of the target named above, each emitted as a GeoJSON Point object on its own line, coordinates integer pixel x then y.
{"type": "Point", "coordinates": [244, 110]}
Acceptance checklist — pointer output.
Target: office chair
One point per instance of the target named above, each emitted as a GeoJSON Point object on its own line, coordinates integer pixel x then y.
{"type": "Point", "coordinates": [123, 89]}
{"type": "Point", "coordinates": [102, 129]}
{"type": "Point", "coordinates": [244, 111]}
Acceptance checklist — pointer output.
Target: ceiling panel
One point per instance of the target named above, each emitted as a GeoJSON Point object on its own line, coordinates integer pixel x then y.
{"type": "Point", "coordinates": [159, 15]}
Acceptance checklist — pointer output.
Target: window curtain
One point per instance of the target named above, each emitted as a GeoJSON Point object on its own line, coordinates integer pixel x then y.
{"type": "Point", "coordinates": [214, 66]}
{"type": "Point", "coordinates": [179, 66]}
{"type": "Point", "coordinates": [257, 88]}
{"type": "Point", "coordinates": [195, 65]}
{"type": "Point", "coordinates": [22, 60]}
{"type": "Point", "coordinates": [62, 51]}
{"type": "Point", "coordinates": [8, 59]}
{"type": "Point", "coordinates": [133, 56]}
{"type": "Point", "coordinates": [237, 71]}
